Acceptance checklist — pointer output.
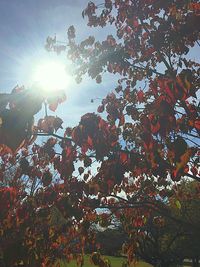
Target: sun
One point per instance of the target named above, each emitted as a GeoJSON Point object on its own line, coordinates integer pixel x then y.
{"type": "Point", "coordinates": [51, 75]}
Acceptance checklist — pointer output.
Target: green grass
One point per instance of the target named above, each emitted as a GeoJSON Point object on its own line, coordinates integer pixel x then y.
{"type": "Point", "coordinates": [115, 262]}
{"type": "Point", "coordinates": [140, 264]}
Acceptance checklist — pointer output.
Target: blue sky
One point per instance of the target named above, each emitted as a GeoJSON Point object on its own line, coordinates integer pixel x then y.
{"type": "Point", "coordinates": [24, 27]}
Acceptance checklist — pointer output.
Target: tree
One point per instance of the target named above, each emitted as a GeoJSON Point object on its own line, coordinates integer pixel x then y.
{"type": "Point", "coordinates": [148, 142]}
{"type": "Point", "coordinates": [111, 241]}
{"type": "Point", "coordinates": [160, 122]}
{"type": "Point", "coordinates": [163, 242]}
{"type": "Point", "coordinates": [155, 107]}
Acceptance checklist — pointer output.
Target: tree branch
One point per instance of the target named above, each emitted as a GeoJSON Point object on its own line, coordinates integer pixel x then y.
{"type": "Point", "coordinates": [143, 68]}
{"type": "Point", "coordinates": [54, 135]}
{"type": "Point", "coordinates": [197, 178]}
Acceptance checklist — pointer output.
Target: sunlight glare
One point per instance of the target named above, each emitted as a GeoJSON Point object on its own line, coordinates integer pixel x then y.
{"type": "Point", "coordinates": [51, 76]}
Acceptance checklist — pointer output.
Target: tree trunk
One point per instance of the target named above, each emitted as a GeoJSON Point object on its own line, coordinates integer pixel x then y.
{"type": "Point", "coordinates": [195, 262]}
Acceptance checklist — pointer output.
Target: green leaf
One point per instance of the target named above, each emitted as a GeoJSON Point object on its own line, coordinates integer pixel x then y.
{"type": "Point", "coordinates": [178, 204]}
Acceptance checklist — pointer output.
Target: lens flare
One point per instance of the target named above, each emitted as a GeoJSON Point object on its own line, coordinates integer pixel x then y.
{"type": "Point", "coordinates": [50, 76]}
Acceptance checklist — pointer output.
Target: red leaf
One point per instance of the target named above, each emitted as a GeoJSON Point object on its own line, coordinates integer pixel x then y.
{"type": "Point", "coordinates": [68, 151]}
{"type": "Point", "coordinates": [4, 150]}
{"type": "Point", "coordinates": [140, 96]}
{"type": "Point", "coordinates": [197, 124]}
{"type": "Point", "coordinates": [123, 157]}
{"type": "Point", "coordinates": [89, 141]}
{"type": "Point", "coordinates": [53, 106]}
{"type": "Point", "coordinates": [169, 93]}
{"type": "Point", "coordinates": [100, 109]}
{"type": "Point", "coordinates": [121, 120]}
{"type": "Point", "coordinates": [84, 149]}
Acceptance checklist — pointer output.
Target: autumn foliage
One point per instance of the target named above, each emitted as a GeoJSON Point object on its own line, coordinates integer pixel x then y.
{"type": "Point", "coordinates": [130, 159]}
